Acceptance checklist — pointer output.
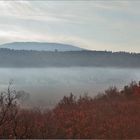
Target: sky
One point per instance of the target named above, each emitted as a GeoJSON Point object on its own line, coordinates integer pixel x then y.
{"type": "Point", "coordinates": [95, 25]}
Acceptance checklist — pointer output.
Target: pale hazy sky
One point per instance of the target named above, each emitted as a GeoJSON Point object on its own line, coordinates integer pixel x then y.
{"type": "Point", "coordinates": [97, 25]}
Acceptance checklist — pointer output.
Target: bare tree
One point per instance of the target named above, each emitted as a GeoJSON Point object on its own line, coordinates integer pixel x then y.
{"type": "Point", "coordinates": [9, 103]}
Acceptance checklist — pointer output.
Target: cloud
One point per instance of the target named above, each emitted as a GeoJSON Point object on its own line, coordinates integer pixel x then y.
{"type": "Point", "coordinates": [90, 24]}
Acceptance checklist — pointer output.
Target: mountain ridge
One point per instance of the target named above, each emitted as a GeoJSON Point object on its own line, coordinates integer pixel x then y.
{"type": "Point", "coordinates": [41, 46]}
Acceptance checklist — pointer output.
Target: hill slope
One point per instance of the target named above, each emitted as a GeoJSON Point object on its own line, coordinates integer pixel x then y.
{"type": "Point", "coordinates": [40, 46]}
{"type": "Point", "coordinates": [25, 58]}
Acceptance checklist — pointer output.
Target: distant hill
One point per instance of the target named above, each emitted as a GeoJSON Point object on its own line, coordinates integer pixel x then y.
{"type": "Point", "coordinates": [40, 46]}
{"type": "Point", "coordinates": [26, 58]}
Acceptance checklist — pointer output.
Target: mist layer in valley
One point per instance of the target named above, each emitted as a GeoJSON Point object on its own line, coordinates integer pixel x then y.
{"type": "Point", "coordinates": [48, 85]}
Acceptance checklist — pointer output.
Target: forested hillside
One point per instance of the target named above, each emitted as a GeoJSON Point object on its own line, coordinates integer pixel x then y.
{"type": "Point", "coordinates": [25, 58]}
{"type": "Point", "coordinates": [112, 115]}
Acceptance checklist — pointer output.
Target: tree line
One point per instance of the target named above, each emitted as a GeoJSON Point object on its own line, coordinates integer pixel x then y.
{"type": "Point", "coordinates": [26, 58]}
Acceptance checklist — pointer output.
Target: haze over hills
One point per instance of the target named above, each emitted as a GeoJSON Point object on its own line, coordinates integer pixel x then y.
{"type": "Point", "coordinates": [38, 46]}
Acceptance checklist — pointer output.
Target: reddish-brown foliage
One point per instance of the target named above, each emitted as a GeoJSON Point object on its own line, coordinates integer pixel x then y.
{"type": "Point", "coordinates": [114, 114]}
